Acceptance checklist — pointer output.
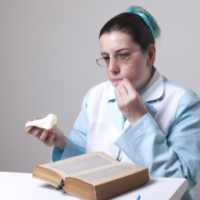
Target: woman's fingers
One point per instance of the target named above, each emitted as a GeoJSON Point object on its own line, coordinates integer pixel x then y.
{"type": "Point", "coordinates": [49, 141]}
{"type": "Point", "coordinates": [28, 129]}
{"type": "Point", "coordinates": [122, 89]}
{"type": "Point", "coordinates": [129, 101]}
{"type": "Point", "coordinates": [47, 136]}
{"type": "Point", "coordinates": [44, 135]}
{"type": "Point", "coordinates": [117, 93]}
{"type": "Point", "coordinates": [52, 137]}
{"type": "Point", "coordinates": [36, 132]}
{"type": "Point", "coordinates": [125, 88]}
{"type": "Point", "coordinates": [129, 87]}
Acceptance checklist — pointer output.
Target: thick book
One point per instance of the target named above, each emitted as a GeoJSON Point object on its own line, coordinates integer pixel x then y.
{"type": "Point", "coordinates": [94, 176]}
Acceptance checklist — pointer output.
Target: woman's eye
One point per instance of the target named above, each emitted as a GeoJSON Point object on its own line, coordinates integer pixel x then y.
{"type": "Point", "coordinates": [106, 59]}
{"type": "Point", "coordinates": [124, 55]}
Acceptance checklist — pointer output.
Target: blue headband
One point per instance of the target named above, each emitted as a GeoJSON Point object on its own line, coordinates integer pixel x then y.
{"type": "Point", "coordinates": [144, 17]}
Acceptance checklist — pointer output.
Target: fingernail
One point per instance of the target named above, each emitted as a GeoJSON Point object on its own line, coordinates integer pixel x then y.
{"type": "Point", "coordinates": [29, 128]}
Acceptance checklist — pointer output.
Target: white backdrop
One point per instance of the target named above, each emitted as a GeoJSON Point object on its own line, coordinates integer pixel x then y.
{"type": "Point", "coordinates": [47, 62]}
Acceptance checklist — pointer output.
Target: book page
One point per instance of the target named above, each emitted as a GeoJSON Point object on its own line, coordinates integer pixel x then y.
{"type": "Point", "coordinates": [81, 164]}
{"type": "Point", "coordinates": [105, 173]}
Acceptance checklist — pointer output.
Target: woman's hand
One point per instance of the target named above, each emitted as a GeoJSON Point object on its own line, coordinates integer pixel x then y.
{"type": "Point", "coordinates": [52, 137]}
{"type": "Point", "coordinates": [129, 101]}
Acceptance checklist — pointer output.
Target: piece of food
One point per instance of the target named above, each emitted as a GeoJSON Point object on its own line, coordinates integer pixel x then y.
{"type": "Point", "coordinates": [47, 123]}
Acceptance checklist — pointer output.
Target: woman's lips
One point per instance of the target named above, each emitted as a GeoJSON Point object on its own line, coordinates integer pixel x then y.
{"type": "Point", "coordinates": [117, 80]}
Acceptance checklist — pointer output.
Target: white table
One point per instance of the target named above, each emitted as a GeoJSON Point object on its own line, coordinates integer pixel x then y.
{"type": "Point", "coordinates": [22, 186]}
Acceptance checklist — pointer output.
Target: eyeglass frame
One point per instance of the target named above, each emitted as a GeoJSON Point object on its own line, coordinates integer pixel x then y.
{"type": "Point", "coordinates": [124, 61]}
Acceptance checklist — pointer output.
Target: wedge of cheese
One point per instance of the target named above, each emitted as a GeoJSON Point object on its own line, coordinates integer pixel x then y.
{"type": "Point", "coordinates": [47, 123]}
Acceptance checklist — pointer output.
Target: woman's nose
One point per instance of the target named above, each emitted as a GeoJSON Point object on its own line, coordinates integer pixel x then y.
{"type": "Point", "coordinates": [113, 66]}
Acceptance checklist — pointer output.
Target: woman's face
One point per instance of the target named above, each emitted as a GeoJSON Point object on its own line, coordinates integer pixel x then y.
{"type": "Point", "coordinates": [126, 60]}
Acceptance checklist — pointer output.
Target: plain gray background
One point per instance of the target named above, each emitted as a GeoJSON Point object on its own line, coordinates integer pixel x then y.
{"type": "Point", "coordinates": [48, 50]}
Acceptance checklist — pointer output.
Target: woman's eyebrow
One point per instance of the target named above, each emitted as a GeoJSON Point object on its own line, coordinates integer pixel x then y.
{"type": "Point", "coordinates": [122, 49]}
{"type": "Point", "coordinates": [102, 53]}
{"type": "Point", "coordinates": [117, 51]}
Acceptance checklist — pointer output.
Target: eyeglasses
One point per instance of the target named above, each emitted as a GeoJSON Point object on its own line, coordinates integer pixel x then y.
{"type": "Point", "coordinates": [120, 58]}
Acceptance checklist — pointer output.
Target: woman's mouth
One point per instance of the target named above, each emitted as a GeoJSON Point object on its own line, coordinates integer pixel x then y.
{"type": "Point", "coordinates": [117, 80]}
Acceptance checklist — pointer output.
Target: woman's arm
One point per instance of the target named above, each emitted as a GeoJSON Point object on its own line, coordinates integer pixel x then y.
{"type": "Point", "coordinates": [177, 154]}
{"type": "Point", "coordinates": [76, 141]}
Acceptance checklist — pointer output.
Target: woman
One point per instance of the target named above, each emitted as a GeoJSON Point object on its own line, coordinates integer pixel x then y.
{"type": "Point", "coordinates": [138, 116]}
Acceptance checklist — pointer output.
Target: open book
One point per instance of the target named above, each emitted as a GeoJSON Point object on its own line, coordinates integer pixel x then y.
{"type": "Point", "coordinates": [92, 176]}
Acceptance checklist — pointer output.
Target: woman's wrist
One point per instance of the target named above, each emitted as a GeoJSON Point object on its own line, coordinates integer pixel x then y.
{"type": "Point", "coordinates": [135, 119]}
{"type": "Point", "coordinates": [60, 140]}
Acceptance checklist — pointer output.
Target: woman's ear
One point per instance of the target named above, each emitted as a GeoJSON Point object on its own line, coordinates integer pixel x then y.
{"type": "Point", "coordinates": [151, 53]}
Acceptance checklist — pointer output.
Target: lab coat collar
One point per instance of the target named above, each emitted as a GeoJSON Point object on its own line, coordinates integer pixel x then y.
{"type": "Point", "coordinates": [152, 91]}
{"type": "Point", "coordinates": [111, 94]}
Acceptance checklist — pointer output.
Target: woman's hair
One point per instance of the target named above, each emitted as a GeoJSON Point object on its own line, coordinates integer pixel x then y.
{"type": "Point", "coordinates": [137, 23]}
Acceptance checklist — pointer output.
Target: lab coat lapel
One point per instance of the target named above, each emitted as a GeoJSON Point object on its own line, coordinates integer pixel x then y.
{"type": "Point", "coordinates": [115, 115]}
{"type": "Point", "coordinates": [154, 89]}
